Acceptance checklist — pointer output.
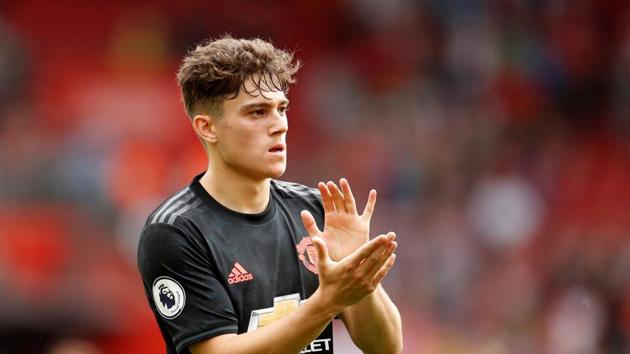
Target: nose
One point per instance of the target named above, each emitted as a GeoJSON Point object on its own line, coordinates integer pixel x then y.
{"type": "Point", "coordinates": [280, 124]}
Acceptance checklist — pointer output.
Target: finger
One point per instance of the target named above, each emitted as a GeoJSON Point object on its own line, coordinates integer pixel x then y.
{"type": "Point", "coordinates": [372, 260]}
{"type": "Point", "coordinates": [309, 223]}
{"type": "Point", "coordinates": [327, 201]}
{"type": "Point", "coordinates": [366, 250]}
{"type": "Point", "coordinates": [369, 206]}
{"type": "Point", "coordinates": [322, 253]}
{"type": "Point", "coordinates": [337, 196]}
{"type": "Point", "coordinates": [375, 261]}
{"type": "Point", "coordinates": [384, 270]}
{"type": "Point", "coordinates": [348, 197]}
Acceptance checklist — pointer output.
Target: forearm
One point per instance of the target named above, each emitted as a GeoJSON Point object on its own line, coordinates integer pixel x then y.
{"type": "Point", "coordinates": [288, 335]}
{"type": "Point", "coordinates": [374, 324]}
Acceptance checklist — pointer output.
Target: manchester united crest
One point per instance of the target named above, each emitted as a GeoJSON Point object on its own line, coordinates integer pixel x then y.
{"type": "Point", "coordinates": [307, 253]}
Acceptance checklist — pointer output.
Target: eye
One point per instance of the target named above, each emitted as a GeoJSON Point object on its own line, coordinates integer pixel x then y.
{"type": "Point", "coordinates": [283, 110]}
{"type": "Point", "coordinates": [258, 113]}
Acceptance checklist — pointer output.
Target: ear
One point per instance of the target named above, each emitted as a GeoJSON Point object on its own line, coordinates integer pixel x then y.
{"type": "Point", "coordinates": [205, 127]}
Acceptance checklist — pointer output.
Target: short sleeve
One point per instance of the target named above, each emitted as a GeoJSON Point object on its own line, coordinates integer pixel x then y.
{"type": "Point", "coordinates": [187, 298]}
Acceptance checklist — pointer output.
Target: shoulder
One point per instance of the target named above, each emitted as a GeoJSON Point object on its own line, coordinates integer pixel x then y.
{"type": "Point", "coordinates": [179, 204]}
{"type": "Point", "coordinates": [291, 190]}
{"type": "Point", "coordinates": [174, 244]}
{"type": "Point", "coordinates": [167, 229]}
{"type": "Point", "coordinates": [297, 197]}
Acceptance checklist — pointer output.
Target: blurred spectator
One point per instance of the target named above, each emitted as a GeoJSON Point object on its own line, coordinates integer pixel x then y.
{"type": "Point", "coordinates": [74, 346]}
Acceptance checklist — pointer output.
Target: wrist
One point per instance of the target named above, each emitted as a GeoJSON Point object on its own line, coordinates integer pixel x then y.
{"type": "Point", "coordinates": [370, 301]}
{"type": "Point", "coordinates": [325, 305]}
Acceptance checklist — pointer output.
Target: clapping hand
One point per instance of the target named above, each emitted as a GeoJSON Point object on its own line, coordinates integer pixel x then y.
{"type": "Point", "coordinates": [345, 230]}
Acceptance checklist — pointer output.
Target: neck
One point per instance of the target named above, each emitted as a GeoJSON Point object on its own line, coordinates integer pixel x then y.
{"type": "Point", "coordinates": [236, 191]}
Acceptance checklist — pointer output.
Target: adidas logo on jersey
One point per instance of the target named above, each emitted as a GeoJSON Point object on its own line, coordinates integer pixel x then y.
{"type": "Point", "coordinates": [239, 274]}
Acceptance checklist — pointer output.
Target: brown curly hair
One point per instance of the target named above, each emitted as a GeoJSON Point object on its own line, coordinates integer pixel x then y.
{"type": "Point", "coordinates": [217, 69]}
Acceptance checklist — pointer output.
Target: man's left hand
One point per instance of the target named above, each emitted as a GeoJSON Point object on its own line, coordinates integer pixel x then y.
{"type": "Point", "coordinates": [345, 230]}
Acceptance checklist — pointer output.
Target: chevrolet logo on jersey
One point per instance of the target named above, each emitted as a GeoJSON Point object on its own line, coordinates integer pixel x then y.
{"type": "Point", "coordinates": [282, 306]}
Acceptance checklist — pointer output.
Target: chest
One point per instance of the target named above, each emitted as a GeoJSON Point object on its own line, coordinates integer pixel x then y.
{"type": "Point", "coordinates": [257, 263]}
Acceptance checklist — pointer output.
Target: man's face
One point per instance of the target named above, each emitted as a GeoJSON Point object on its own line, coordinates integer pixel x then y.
{"type": "Point", "coordinates": [251, 134]}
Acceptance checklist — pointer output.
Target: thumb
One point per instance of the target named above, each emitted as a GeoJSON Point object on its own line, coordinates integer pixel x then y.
{"type": "Point", "coordinates": [309, 223]}
{"type": "Point", "coordinates": [322, 253]}
{"type": "Point", "coordinates": [369, 206]}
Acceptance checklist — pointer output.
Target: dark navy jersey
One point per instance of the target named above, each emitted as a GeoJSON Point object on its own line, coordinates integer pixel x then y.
{"type": "Point", "coordinates": [208, 270]}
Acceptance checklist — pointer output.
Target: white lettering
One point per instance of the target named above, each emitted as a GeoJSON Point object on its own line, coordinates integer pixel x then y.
{"type": "Point", "coordinates": [316, 346]}
{"type": "Point", "coordinates": [326, 345]}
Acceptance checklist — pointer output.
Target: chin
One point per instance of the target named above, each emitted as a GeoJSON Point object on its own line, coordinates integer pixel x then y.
{"type": "Point", "coordinates": [277, 171]}
{"type": "Point", "coordinates": [277, 174]}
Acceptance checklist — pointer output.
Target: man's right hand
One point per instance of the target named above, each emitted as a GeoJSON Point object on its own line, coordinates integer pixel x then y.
{"type": "Point", "coordinates": [345, 282]}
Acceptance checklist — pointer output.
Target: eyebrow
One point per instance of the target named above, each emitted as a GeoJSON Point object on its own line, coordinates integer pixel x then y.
{"type": "Point", "coordinates": [249, 106]}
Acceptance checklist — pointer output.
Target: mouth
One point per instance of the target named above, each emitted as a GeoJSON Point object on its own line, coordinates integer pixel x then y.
{"type": "Point", "coordinates": [278, 148]}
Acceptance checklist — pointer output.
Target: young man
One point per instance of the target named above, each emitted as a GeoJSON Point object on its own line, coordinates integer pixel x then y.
{"type": "Point", "coordinates": [227, 264]}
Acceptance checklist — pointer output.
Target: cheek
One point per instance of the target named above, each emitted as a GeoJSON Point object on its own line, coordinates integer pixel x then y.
{"type": "Point", "coordinates": [243, 140]}
{"type": "Point", "coordinates": [240, 140]}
